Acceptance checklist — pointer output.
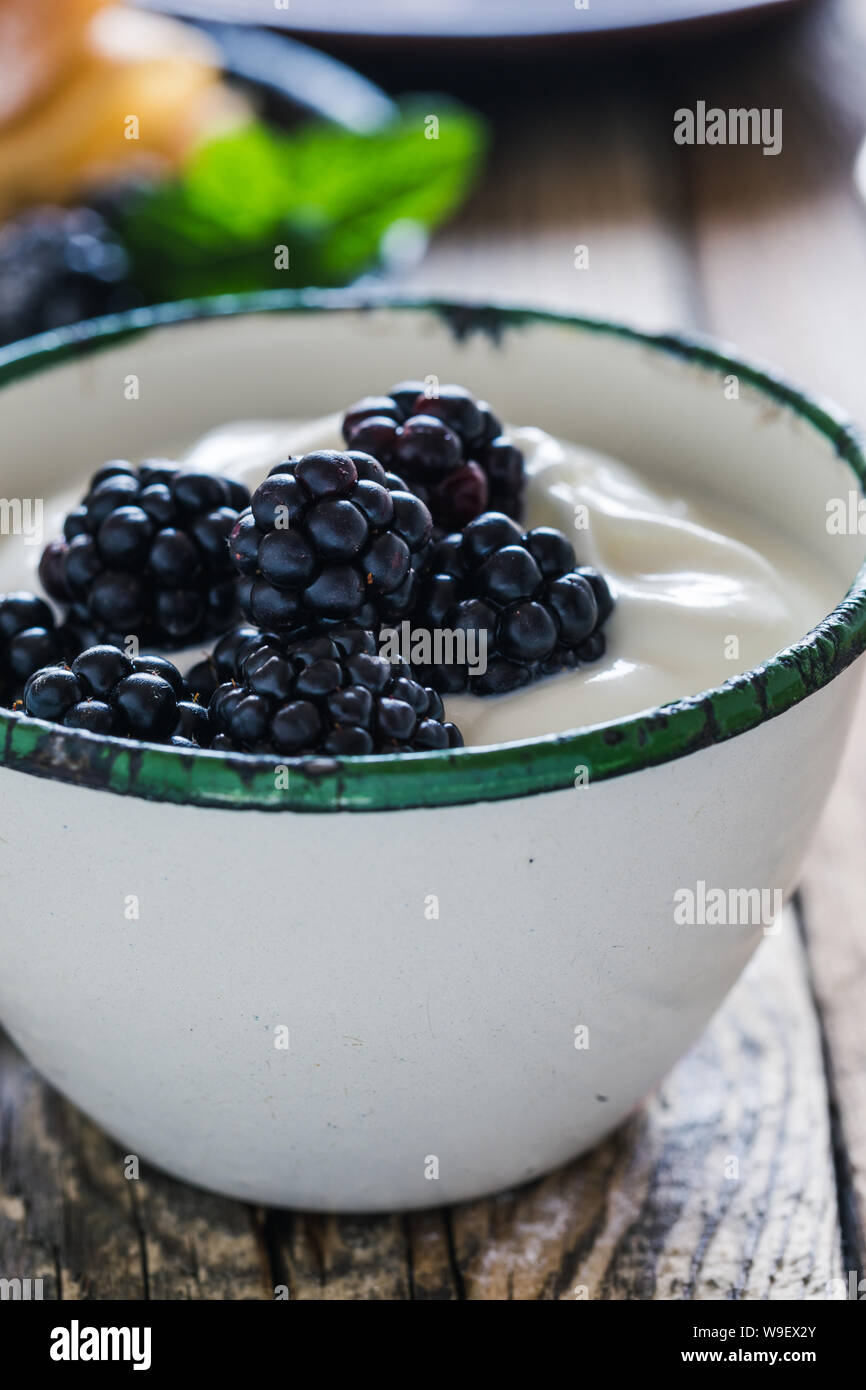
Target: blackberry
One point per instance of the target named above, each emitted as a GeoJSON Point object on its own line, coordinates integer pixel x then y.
{"type": "Point", "coordinates": [57, 266]}
{"type": "Point", "coordinates": [449, 446]}
{"type": "Point", "coordinates": [224, 663]}
{"type": "Point", "coordinates": [327, 694]}
{"type": "Point", "coordinates": [146, 554]}
{"type": "Point", "coordinates": [521, 594]}
{"type": "Point", "coordinates": [148, 703]}
{"type": "Point", "coordinates": [163, 668]}
{"type": "Point", "coordinates": [202, 680]}
{"type": "Point", "coordinates": [193, 728]}
{"type": "Point", "coordinates": [328, 537]}
{"type": "Point", "coordinates": [28, 639]}
{"type": "Point", "coordinates": [105, 691]}
{"type": "Point", "coordinates": [51, 692]}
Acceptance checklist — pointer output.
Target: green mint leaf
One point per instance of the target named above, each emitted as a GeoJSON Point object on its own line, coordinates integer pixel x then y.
{"type": "Point", "coordinates": [328, 195]}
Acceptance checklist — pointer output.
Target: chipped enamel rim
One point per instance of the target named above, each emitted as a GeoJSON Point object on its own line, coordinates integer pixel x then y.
{"type": "Point", "coordinates": [465, 775]}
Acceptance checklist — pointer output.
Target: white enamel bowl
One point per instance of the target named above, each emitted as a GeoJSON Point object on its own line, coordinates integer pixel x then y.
{"type": "Point", "coordinates": [429, 1059]}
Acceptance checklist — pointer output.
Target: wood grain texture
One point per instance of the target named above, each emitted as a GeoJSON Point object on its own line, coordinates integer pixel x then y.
{"type": "Point", "coordinates": [351, 1257]}
{"type": "Point", "coordinates": [70, 1216]}
{"type": "Point", "coordinates": [781, 248]}
{"type": "Point", "coordinates": [62, 1181]}
{"type": "Point", "coordinates": [834, 901]}
{"type": "Point", "coordinates": [780, 241]}
{"type": "Point", "coordinates": [595, 174]}
{"type": "Point", "coordinates": [195, 1245]}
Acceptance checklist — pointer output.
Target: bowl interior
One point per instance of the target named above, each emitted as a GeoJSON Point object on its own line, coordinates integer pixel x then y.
{"type": "Point", "coordinates": [685, 416]}
{"type": "Point", "coordinates": [680, 422]}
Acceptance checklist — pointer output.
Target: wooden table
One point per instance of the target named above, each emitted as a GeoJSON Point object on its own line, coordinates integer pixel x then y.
{"type": "Point", "coordinates": [768, 252]}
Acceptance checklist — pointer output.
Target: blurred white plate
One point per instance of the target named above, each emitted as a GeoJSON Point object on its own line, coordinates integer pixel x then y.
{"type": "Point", "coordinates": [465, 19]}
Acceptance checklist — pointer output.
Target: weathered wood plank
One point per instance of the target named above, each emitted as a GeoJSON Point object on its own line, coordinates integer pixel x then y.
{"type": "Point", "coordinates": [430, 1239]}
{"type": "Point", "coordinates": [580, 169]}
{"type": "Point", "coordinates": [363, 1257]}
{"type": "Point", "coordinates": [198, 1246]}
{"type": "Point", "coordinates": [31, 1212]}
{"type": "Point", "coordinates": [834, 900]}
{"type": "Point", "coordinates": [69, 1215]}
{"type": "Point", "coordinates": [348, 1257]}
{"type": "Point", "coordinates": [64, 1177]}
{"type": "Point", "coordinates": [779, 240]}
{"type": "Point", "coordinates": [782, 255]}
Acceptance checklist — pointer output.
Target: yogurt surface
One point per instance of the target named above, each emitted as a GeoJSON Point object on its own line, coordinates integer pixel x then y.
{"type": "Point", "coordinates": [702, 594]}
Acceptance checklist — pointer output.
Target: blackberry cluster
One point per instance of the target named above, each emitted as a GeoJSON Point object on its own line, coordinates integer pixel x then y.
{"type": "Point", "coordinates": [449, 447]}
{"type": "Point", "coordinates": [57, 266]}
{"type": "Point", "coordinates": [329, 536]}
{"type": "Point", "coordinates": [332, 547]}
{"type": "Point", "coordinates": [28, 640]}
{"type": "Point", "coordinates": [146, 554]}
{"type": "Point", "coordinates": [524, 596]}
{"type": "Point", "coordinates": [107, 692]}
{"type": "Point", "coordinates": [328, 694]}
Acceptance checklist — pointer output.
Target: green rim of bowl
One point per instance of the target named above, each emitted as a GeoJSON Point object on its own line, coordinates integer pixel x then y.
{"type": "Point", "coordinates": [468, 775]}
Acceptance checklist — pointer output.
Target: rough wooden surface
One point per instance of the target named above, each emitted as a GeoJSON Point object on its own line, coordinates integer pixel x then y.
{"type": "Point", "coordinates": [782, 260]}
{"type": "Point", "coordinates": [745, 1175]}
{"type": "Point", "coordinates": [834, 901]}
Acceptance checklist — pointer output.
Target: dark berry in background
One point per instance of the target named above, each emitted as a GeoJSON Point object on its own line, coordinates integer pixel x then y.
{"type": "Point", "coordinates": [449, 447]}
{"type": "Point", "coordinates": [537, 610]}
{"type": "Point", "coordinates": [330, 536]}
{"type": "Point", "coordinates": [104, 691]}
{"type": "Point", "coordinates": [146, 554]}
{"type": "Point", "coordinates": [57, 266]}
{"type": "Point", "coordinates": [330, 694]}
{"type": "Point", "coordinates": [28, 639]}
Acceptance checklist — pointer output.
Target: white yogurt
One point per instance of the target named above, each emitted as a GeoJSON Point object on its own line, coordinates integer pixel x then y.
{"type": "Point", "coordinates": [702, 594]}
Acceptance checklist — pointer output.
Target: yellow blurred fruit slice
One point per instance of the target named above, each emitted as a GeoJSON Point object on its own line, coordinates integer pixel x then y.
{"type": "Point", "coordinates": [40, 42]}
{"type": "Point", "coordinates": [137, 100]}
